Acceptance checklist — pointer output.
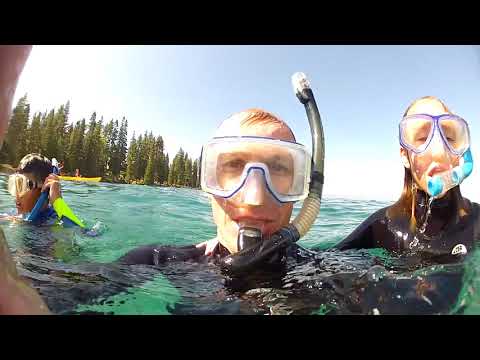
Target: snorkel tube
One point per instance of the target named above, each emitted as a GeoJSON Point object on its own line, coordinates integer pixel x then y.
{"type": "Point", "coordinates": [250, 257]}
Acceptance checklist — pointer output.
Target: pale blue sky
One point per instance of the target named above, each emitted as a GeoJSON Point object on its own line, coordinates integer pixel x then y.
{"type": "Point", "coordinates": [184, 92]}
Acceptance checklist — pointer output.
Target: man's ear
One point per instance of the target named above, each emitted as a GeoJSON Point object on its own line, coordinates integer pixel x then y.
{"type": "Point", "coordinates": [404, 156]}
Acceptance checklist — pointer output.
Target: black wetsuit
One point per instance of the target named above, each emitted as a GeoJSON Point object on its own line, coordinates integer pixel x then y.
{"type": "Point", "coordinates": [304, 281]}
{"type": "Point", "coordinates": [445, 230]}
{"type": "Point", "coordinates": [161, 254]}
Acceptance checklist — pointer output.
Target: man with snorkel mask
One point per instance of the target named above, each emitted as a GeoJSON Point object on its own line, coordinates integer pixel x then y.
{"type": "Point", "coordinates": [254, 170]}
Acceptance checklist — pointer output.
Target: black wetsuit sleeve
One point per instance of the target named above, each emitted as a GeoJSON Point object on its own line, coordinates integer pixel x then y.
{"type": "Point", "coordinates": [363, 236]}
{"type": "Point", "coordinates": [158, 254]}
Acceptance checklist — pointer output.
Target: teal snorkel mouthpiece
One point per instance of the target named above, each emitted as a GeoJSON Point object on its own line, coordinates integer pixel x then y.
{"type": "Point", "coordinates": [444, 181]}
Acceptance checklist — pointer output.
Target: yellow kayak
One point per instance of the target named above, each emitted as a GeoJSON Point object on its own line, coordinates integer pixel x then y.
{"type": "Point", "coordinates": [74, 178]}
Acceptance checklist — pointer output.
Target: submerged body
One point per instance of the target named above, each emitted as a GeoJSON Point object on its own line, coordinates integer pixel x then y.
{"type": "Point", "coordinates": [299, 281]}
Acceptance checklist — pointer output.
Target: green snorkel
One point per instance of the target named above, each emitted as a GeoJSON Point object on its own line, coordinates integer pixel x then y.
{"type": "Point", "coordinates": [248, 258]}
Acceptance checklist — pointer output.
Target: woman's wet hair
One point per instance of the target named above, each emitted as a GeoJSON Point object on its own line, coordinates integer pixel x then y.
{"type": "Point", "coordinates": [405, 206]}
{"type": "Point", "coordinates": [37, 165]}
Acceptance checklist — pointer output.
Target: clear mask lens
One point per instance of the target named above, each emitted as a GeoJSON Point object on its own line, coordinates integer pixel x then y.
{"type": "Point", "coordinates": [19, 185]}
{"type": "Point", "coordinates": [417, 132]}
{"type": "Point", "coordinates": [229, 162]}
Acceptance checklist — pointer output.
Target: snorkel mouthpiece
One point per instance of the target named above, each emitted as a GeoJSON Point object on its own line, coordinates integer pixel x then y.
{"type": "Point", "coordinates": [249, 258]}
{"type": "Point", "coordinates": [447, 180]}
{"type": "Point", "coordinates": [248, 237]}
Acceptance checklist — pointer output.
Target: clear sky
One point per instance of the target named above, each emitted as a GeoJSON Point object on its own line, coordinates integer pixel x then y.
{"type": "Point", "coordinates": [184, 92]}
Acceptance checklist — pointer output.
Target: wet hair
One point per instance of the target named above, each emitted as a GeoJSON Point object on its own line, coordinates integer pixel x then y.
{"type": "Point", "coordinates": [405, 206]}
{"type": "Point", "coordinates": [37, 165]}
{"type": "Point", "coordinates": [256, 117]}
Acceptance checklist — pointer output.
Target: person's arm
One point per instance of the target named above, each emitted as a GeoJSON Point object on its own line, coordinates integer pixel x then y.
{"type": "Point", "coordinates": [158, 254]}
{"type": "Point", "coordinates": [52, 183]}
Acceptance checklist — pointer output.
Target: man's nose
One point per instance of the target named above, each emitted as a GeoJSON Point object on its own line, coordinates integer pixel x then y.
{"type": "Point", "coordinates": [253, 192]}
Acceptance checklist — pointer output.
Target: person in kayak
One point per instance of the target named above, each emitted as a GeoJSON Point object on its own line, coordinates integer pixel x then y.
{"type": "Point", "coordinates": [431, 217]}
{"type": "Point", "coordinates": [61, 165]}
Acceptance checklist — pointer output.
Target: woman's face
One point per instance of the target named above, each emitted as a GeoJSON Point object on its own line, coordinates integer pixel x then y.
{"type": "Point", "coordinates": [437, 158]}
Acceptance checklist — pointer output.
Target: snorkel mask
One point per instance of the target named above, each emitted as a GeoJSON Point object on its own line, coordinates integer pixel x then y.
{"type": "Point", "coordinates": [19, 184]}
{"type": "Point", "coordinates": [290, 176]}
{"type": "Point", "coordinates": [282, 166]}
{"type": "Point", "coordinates": [418, 133]}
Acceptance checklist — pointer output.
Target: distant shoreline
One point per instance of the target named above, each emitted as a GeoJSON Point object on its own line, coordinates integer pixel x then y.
{"type": "Point", "coordinates": [8, 169]}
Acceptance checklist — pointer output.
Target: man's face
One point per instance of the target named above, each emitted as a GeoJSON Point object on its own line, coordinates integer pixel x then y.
{"type": "Point", "coordinates": [254, 205]}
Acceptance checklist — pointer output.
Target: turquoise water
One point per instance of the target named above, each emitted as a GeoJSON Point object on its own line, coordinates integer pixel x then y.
{"type": "Point", "coordinates": [73, 280]}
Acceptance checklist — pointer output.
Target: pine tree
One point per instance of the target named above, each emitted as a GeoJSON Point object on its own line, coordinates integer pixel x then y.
{"type": "Point", "coordinates": [158, 160]}
{"type": "Point", "coordinates": [138, 158]}
{"type": "Point", "coordinates": [148, 178]}
{"type": "Point", "coordinates": [50, 146]}
{"type": "Point", "coordinates": [131, 160]}
{"type": "Point", "coordinates": [166, 169]}
{"type": "Point", "coordinates": [15, 144]}
{"type": "Point", "coordinates": [180, 167]}
{"type": "Point", "coordinates": [99, 145]}
{"type": "Point", "coordinates": [195, 174]}
{"type": "Point", "coordinates": [89, 147]}
{"type": "Point", "coordinates": [68, 140]}
{"type": "Point", "coordinates": [35, 135]}
{"type": "Point", "coordinates": [60, 124]}
{"type": "Point", "coordinates": [172, 173]}
{"type": "Point", "coordinates": [76, 153]}
{"type": "Point", "coordinates": [122, 145]}
{"type": "Point", "coordinates": [187, 177]}
{"type": "Point", "coordinates": [107, 134]}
